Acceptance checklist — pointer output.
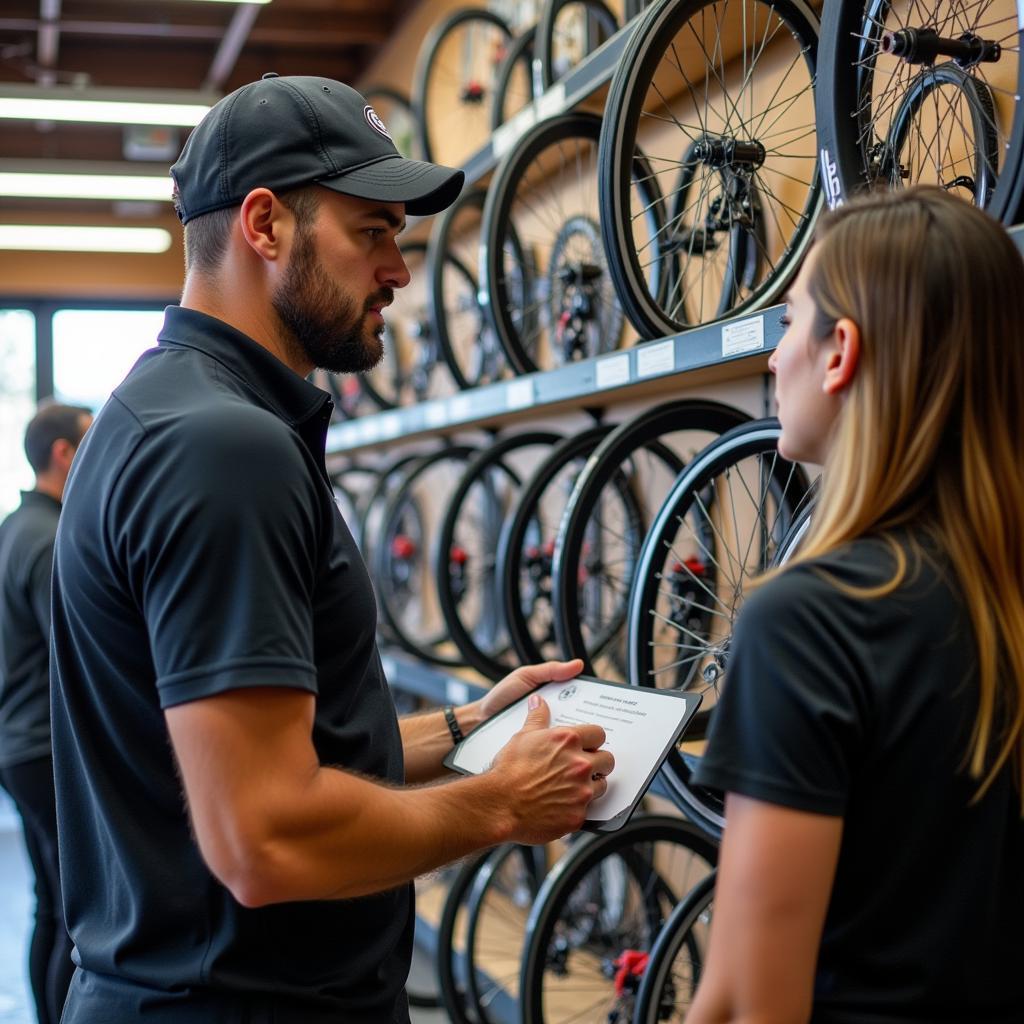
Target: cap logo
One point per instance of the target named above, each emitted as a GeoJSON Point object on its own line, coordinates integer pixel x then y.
{"type": "Point", "coordinates": [374, 121]}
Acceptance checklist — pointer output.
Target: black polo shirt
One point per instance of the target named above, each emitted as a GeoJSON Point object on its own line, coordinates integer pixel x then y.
{"type": "Point", "coordinates": [201, 550]}
{"type": "Point", "coordinates": [26, 558]}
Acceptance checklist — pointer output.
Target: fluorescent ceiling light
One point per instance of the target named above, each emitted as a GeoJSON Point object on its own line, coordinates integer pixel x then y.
{"type": "Point", "coordinates": [33, 185]}
{"type": "Point", "coordinates": [104, 106]}
{"type": "Point", "coordinates": [71, 238]}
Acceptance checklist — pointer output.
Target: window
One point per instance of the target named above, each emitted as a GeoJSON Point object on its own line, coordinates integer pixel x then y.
{"type": "Point", "coordinates": [93, 350]}
{"type": "Point", "coordinates": [17, 402]}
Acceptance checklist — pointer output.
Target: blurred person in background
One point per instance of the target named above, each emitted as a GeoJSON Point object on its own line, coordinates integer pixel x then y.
{"type": "Point", "coordinates": [26, 766]}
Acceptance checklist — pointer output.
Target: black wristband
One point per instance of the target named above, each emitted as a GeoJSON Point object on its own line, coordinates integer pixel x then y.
{"type": "Point", "coordinates": [453, 724]}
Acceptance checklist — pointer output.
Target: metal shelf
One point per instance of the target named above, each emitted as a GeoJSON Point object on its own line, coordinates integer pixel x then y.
{"type": "Point", "coordinates": [726, 350]}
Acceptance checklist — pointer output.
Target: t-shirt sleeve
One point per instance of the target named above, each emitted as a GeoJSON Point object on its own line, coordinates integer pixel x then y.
{"type": "Point", "coordinates": [219, 535]}
{"type": "Point", "coordinates": [794, 708]}
{"type": "Point", "coordinates": [39, 587]}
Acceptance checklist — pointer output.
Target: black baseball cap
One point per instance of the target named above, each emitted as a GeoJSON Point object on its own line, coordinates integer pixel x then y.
{"type": "Point", "coordinates": [287, 132]}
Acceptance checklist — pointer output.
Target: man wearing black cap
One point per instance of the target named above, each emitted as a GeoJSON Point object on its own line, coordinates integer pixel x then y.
{"type": "Point", "coordinates": [214, 625]}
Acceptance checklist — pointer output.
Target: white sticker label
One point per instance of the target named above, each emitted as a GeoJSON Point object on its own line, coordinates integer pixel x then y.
{"type": "Point", "coordinates": [655, 359]}
{"type": "Point", "coordinates": [460, 408]}
{"type": "Point", "coordinates": [369, 429]}
{"type": "Point", "coordinates": [519, 394]}
{"type": "Point", "coordinates": [505, 136]}
{"type": "Point", "coordinates": [745, 336]}
{"type": "Point", "coordinates": [552, 102]}
{"type": "Point", "coordinates": [435, 414]}
{"type": "Point", "coordinates": [612, 371]}
{"type": "Point", "coordinates": [457, 693]}
{"type": "Point", "coordinates": [391, 425]}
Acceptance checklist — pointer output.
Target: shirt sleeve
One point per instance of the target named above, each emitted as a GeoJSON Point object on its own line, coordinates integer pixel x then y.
{"type": "Point", "coordinates": [220, 536]}
{"type": "Point", "coordinates": [795, 707]}
{"type": "Point", "coordinates": [39, 586]}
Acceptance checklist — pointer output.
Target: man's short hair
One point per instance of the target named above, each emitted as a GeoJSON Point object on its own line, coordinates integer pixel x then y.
{"type": "Point", "coordinates": [53, 422]}
{"type": "Point", "coordinates": [206, 236]}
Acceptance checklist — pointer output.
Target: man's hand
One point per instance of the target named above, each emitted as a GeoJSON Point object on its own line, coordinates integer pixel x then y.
{"type": "Point", "coordinates": [551, 775]}
{"type": "Point", "coordinates": [524, 679]}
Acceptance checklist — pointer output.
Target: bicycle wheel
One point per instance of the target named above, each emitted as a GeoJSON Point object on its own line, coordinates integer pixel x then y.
{"type": "Point", "coordinates": [468, 343]}
{"type": "Point", "coordinates": [501, 897]}
{"type": "Point", "coordinates": [395, 110]}
{"type": "Point", "coordinates": [514, 87]}
{"type": "Point", "coordinates": [455, 78]}
{"type": "Point", "coordinates": [923, 92]}
{"type": "Point", "coordinates": [406, 588]}
{"type": "Point", "coordinates": [677, 959]}
{"type": "Point", "coordinates": [467, 544]}
{"type": "Point", "coordinates": [721, 526]}
{"type": "Point", "coordinates": [544, 194]}
{"type": "Point", "coordinates": [596, 556]}
{"type": "Point", "coordinates": [568, 30]}
{"type": "Point", "coordinates": [728, 86]}
{"type": "Point", "coordinates": [527, 545]}
{"type": "Point", "coordinates": [450, 942]}
{"type": "Point", "coordinates": [599, 911]}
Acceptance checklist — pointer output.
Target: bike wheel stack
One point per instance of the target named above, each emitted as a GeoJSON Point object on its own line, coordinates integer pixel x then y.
{"type": "Point", "coordinates": [570, 453]}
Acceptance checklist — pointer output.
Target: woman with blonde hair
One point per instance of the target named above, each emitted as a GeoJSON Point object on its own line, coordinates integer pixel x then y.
{"type": "Point", "coordinates": [870, 738]}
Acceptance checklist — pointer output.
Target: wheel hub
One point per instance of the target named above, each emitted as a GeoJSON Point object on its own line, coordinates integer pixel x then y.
{"type": "Point", "coordinates": [924, 45]}
{"type": "Point", "coordinates": [722, 151]}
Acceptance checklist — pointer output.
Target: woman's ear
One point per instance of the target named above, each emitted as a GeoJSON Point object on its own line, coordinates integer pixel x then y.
{"type": "Point", "coordinates": [844, 357]}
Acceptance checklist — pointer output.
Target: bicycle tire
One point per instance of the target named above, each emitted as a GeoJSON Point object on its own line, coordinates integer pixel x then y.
{"type": "Point", "coordinates": [512, 547]}
{"type": "Point", "coordinates": [744, 451]}
{"type": "Point", "coordinates": [519, 58]}
{"type": "Point", "coordinates": [471, 95]}
{"type": "Point", "coordinates": [393, 565]}
{"type": "Point", "coordinates": [863, 83]}
{"type": "Point", "coordinates": [598, 16]}
{"type": "Point", "coordinates": [658, 1000]}
{"type": "Point", "coordinates": [464, 333]}
{"type": "Point", "coordinates": [634, 435]}
{"type": "Point", "coordinates": [658, 104]}
{"type": "Point", "coordinates": [536, 187]}
{"type": "Point", "coordinates": [489, 663]}
{"type": "Point", "coordinates": [627, 854]}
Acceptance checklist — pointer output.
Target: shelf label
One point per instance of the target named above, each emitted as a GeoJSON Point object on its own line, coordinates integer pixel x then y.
{"type": "Point", "coordinates": [613, 371]}
{"type": "Point", "coordinates": [460, 408]}
{"type": "Point", "coordinates": [369, 429]}
{"type": "Point", "coordinates": [656, 358]}
{"type": "Point", "coordinates": [435, 415]}
{"type": "Point", "coordinates": [506, 135]}
{"type": "Point", "coordinates": [457, 692]}
{"type": "Point", "coordinates": [551, 102]}
{"type": "Point", "coordinates": [391, 425]}
{"type": "Point", "coordinates": [744, 336]}
{"type": "Point", "coordinates": [519, 394]}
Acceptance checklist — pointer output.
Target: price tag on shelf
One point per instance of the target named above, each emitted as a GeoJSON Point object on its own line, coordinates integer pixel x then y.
{"type": "Point", "coordinates": [506, 135]}
{"type": "Point", "coordinates": [459, 408]}
{"type": "Point", "coordinates": [743, 336]}
{"type": "Point", "coordinates": [457, 692]}
{"type": "Point", "coordinates": [519, 394]}
{"type": "Point", "coordinates": [656, 358]}
{"type": "Point", "coordinates": [435, 414]}
{"type": "Point", "coordinates": [391, 425]}
{"type": "Point", "coordinates": [551, 102]}
{"type": "Point", "coordinates": [613, 371]}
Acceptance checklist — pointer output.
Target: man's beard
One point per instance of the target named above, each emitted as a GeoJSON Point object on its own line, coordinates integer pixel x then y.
{"type": "Point", "coordinates": [321, 320]}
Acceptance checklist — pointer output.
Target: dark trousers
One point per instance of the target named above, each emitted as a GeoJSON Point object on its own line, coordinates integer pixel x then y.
{"type": "Point", "coordinates": [31, 787]}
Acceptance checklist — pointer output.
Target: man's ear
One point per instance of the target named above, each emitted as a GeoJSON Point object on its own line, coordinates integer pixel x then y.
{"type": "Point", "coordinates": [266, 224]}
{"type": "Point", "coordinates": [844, 357]}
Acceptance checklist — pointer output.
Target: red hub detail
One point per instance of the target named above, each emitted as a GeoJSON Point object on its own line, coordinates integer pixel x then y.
{"type": "Point", "coordinates": [403, 547]}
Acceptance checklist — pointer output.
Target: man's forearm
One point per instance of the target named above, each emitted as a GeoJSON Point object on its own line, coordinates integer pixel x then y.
{"type": "Point", "coordinates": [426, 739]}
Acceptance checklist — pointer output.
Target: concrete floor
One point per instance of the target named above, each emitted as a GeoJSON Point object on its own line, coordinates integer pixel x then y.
{"type": "Point", "coordinates": [15, 908]}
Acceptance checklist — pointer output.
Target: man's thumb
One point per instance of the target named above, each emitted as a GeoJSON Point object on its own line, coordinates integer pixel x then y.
{"type": "Point", "coordinates": [539, 715]}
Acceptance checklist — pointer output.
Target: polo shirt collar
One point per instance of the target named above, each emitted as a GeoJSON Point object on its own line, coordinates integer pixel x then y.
{"type": "Point", "coordinates": [39, 500]}
{"type": "Point", "coordinates": [292, 397]}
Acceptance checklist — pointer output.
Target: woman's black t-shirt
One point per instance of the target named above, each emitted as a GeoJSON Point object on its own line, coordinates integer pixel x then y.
{"type": "Point", "coordinates": [842, 704]}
